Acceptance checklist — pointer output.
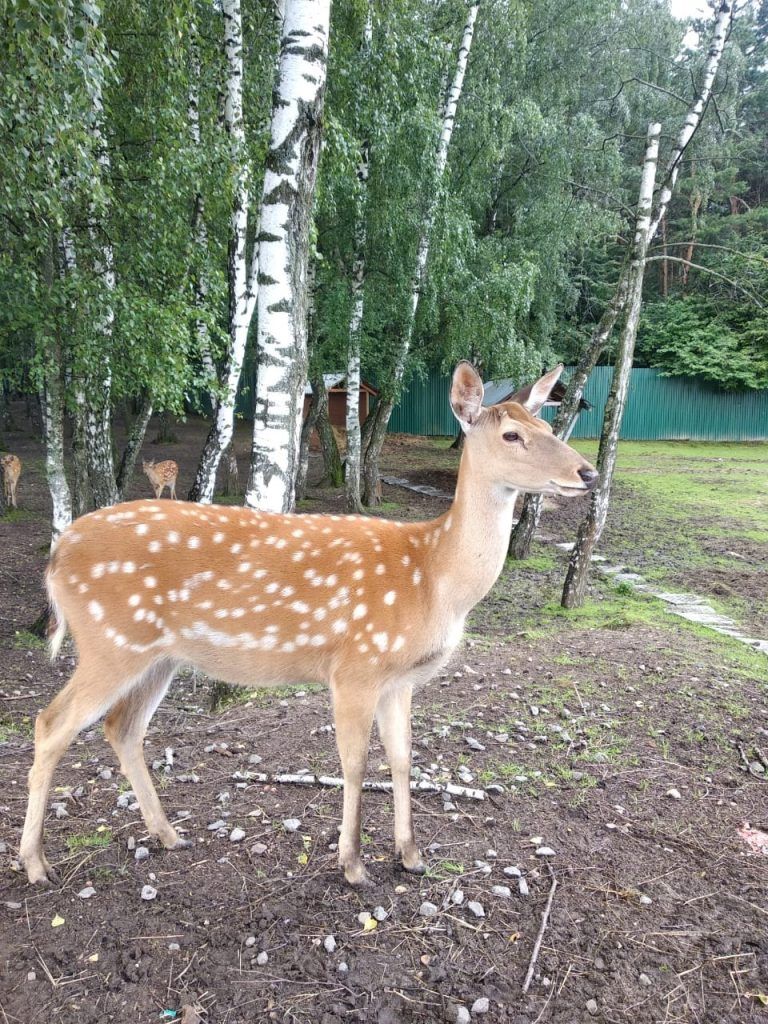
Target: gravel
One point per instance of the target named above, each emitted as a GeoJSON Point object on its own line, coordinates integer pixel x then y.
{"type": "Point", "coordinates": [428, 909]}
{"type": "Point", "coordinates": [481, 1005]}
{"type": "Point", "coordinates": [148, 892]}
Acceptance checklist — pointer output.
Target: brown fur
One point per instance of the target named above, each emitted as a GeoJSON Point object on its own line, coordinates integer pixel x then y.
{"type": "Point", "coordinates": [11, 465]}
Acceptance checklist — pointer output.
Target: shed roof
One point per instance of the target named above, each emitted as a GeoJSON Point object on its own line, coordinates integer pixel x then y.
{"type": "Point", "coordinates": [502, 390]}
{"type": "Point", "coordinates": [338, 382]}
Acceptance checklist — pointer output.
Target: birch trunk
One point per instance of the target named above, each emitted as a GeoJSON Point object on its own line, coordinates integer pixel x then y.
{"type": "Point", "coordinates": [98, 390]}
{"type": "Point", "coordinates": [720, 32]}
{"type": "Point", "coordinates": [52, 407]}
{"type": "Point", "coordinates": [565, 420]}
{"type": "Point", "coordinates": [352, 466]}
{"type": "Point", "coordinates": [289, 185]}
{"type": "Point", "coordinates": [385, 405]}
{"type": "Point", "coordinates": [135, 440]}
{"type": "Point", "coordinates": [592, 526]}
{"type": "Point", "coordinates": [241, 278]}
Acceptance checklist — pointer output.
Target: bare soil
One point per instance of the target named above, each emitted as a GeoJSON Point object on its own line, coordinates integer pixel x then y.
{"type": "Point", "coordinates": [587, 722]}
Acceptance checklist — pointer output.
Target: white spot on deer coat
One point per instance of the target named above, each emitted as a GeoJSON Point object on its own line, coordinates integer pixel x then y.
{"type": "Point", "coordinates": [390, 597]}
{"type": "Point", "coordinates": [96, 610]}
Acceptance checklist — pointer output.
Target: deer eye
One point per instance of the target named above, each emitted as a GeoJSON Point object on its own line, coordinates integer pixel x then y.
{"type": "Point", "coordinates": [511, 436]}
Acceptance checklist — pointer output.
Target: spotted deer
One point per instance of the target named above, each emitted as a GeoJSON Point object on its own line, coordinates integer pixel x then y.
{"type": "Point", "coordinates": [369, 606]}
{"type": "Point", "coordinates": [161, 475]}
{"type": "Point", "coordinates": [11, 472]}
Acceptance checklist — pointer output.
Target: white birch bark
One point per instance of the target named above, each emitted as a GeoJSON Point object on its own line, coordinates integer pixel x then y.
{"type": "Point", "coordinates": [52, 407]}
{"type": "Point", "coordinates": [352, 464]}
{"type": "Point", "coordinates": [592, 526]}
{"type": "Point", "coordinates": [720, 33]}
{"type": "Point", "coordinates": [242, 279]}
{"type": "Point", "coordinates": [386, 405]}
{"type": "Point", "coordinates": [289, 183]}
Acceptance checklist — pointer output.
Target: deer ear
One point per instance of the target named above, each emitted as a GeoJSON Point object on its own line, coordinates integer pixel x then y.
{"type": "Point", "coordinates": [466, 395]}
{"type": "Point", "coordinates": [535, 395]}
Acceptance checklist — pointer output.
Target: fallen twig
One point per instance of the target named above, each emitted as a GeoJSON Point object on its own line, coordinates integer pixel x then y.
{"type": "Point", "coordinates": [539, 937]}
{"type": "Point", "coordinates": [419, 785]}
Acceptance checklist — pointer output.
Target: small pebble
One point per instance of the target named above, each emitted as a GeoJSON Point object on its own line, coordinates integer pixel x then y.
{"type": "Point", "coordinates": [329, 944]}
{"type": "Point", "coordinates": [458, 897]}
{"type": "Point", "coordinates": [473, 744]}
{"type": "Point", "coordinates": [592, 1006]}
{"type": "Point", "coordinates": [428, 909]}
{"type": "Point", "coordinates": [250, 941]}
{"type": "Point", "coordinates": [380, 914]}
{"type": "Point", "coordinates": [105, 774]}
{"type": "Point", "coordinates": [262, 958]}
{"type": "Point", "coordinates": [481, 1005]}
{"type": "Point", "coordinates": [512, 872]}
{"type": "Point", "coordinates": [522, 885]}
{"type": "Point", "coordinates": [31, 976]}
{"type": "Point", "coordinates": [342, 968]}
{"type": "Point", "coordinates": [673, 794]}
{"type": "Point", "coordinates": [458, 1014]}
{"type": "Point", "coordinates": [216, 825]}
{"type": "Point", "coordinates": [501, 890]}
{"type": "Point", "coordinates": [545, 851]}
{"type": "Point", "coordinates": [645, 980]}
{"type": "Point", "coordinates": [646, 901]}
{"type": "Point", "coordinates": [237, 835]}
{"type": "Point", "coordinates": [364, 917]}
{"type": "Point", "coordinates": [141, 853]}
{"type": "Point", "coordinates": [291, 824]}
{"type": "Point", "coordinates": [148, 892]}
{"type": "Point", "coordinates": [259, 848]}
{"type": "Point", "coordinates": [87, 892]}
{"type": "Point", "coordinates": [131, 843]}
{"type": "Point", "coordinates": [476, 908]}
{"type": "Point", "coordinates": [401, 889]}
{"type": "Point", "coordinates": [173, 947]}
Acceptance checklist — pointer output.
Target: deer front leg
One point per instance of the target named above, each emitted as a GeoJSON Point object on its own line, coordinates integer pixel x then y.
{"type": "Point", "coordinates": [393, 716]}
{"type": "Point", "coordinates": [353, 714]}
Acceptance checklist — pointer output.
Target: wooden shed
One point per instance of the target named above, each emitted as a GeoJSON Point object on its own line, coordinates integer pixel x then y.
{"type": "Point", "coordinates": [336, 384]}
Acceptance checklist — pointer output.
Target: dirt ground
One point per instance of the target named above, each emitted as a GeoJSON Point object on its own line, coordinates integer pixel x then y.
{"type": "Point", "coordinates": [616, 736]}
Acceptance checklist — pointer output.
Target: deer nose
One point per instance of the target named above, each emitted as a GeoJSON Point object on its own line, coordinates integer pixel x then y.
{"type": "Point", "coordinates": [589, 476]}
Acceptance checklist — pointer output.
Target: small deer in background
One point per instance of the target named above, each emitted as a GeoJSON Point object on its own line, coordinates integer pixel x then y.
{"type": "Point", "coordinates": [369, 606]}
{"type": "Point", "coordinates": [161, 475]}
{"type": "Point", "coordinates": [11, 472]}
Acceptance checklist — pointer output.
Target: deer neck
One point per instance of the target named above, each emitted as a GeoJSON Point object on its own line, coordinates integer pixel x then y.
{"type": "Point", "coordinates": [474, 537]}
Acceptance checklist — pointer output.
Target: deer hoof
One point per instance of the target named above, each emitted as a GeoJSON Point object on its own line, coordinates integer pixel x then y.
{"type": "Point", "coordinates": [40, 872]}
{"type": "Point", "coordinates": [357, 876]}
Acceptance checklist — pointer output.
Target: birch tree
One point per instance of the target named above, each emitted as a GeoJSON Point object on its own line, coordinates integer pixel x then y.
{"type": "Point", "coordinates": [286, 210]}
{"type": "Point", "coordinates": [592, 526]}
{"type": "Point", "coordinates": [241, 272]}
{"type": "Point", "coordinates": [522, 535]}
{"type": "Point", "coordinates": [353, 457]}
{"type": "Point", "coordinates": [375, 431]}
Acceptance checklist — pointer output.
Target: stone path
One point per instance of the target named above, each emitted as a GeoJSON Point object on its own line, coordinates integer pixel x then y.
{"type": "Point", "coordinates": [687, 606]}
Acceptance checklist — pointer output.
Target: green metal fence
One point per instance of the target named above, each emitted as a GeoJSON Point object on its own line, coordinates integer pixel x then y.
{"type": "Point", "coordinates": [658, 408]}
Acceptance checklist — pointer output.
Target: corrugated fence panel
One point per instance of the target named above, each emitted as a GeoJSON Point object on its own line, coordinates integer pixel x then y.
{"type": "Point", "coordinates": [658, 408]}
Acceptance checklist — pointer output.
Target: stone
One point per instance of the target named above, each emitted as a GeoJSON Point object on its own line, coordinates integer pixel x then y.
{"type": "Point", "coordinates": [428, 909]}
{"type": "Point", "coordinates": [473, 744]}
{"type": "Point", "coordinates": [457, 1014]}
{"type": "Point", "coordinates": [364, 917]}
{"type": "Point", "coordinates": [522, 886]}
{"type": "Point", "coordinates": [291, 824]}
{"type": "Point", "coordinates": [173, 947]}
{"type": "Point", "coordinates": [545, 851]}
{"type": "Point", "coordinates": [673, 794]}
{"type": "Point", "coordinates": [645, 980]}
{"type": "Point", "coordinates": [380, 913]}
{"type": "Point", "coordinates": [262, 958]}
{"type": "Point", "coordinates": [259, 848]}
{"type": "Point", "coordinates": [343, 968]}
{"type": "Point", "coordinates": [457, 898]}
{"type": "Point", "coordinates": [141, 853]}
{"type": "Point", "coordinates": [237, 835]}
{"type": "Point", "coordinates": [480, 1006]}
{"type": "Point", "coordinates": [87, 892]}
{"type": "Point", "coordinates": [105, 774]}
{"type": "Point", "coordinates": [329, 944]}
{"type": "Point", "coordinates": [645, 901]}
{"type": "Point", "coordinates": [131, 843]}
{"type": "Point", "coordinates": [216, 825]}
{"type": "Point", "coordinates": [512, 872]}
{"type": "Point", "coordinates": [476, 908]}
{"type": "Point", "coordinates": [592, 1006]}
{"type": "Point", "coordinates": [502, 890]}
{"type": "Point", "coordinates": [148, 892]}
{"type": "Point", "coordinates": [250, 941]}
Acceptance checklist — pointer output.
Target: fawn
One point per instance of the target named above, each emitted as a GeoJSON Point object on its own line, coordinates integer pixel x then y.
{"type": "Point", "coordinates": [161, 475]}
{"type": "Point", "coordinates": [370, 606]}
{"type": "Point", "coordinates": [11, 472]}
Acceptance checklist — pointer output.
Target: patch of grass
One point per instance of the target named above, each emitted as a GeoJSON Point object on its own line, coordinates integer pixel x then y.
{"type": "Point", "coordinates": [10, 726]}
{"type": "Point", "coordinates": [543, 562]}
{"type": "Point", "coordinates": [27, 641]}
{"type": "Point", "coordinates": [18, 515]}
{"type": "Point", "coordinates": [90, 840]}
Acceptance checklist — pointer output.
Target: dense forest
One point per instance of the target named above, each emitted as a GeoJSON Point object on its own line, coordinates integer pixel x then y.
{"type": "Point", "coordinates": [189, 188]}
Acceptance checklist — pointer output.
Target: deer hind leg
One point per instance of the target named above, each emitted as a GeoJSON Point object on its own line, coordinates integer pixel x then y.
{"type": "Point", "coordinates": [78, 705]}
{"type": "Point", "coordinates": [172, 489]}
{"type": "Point", "coordinates": [124, 728]}
{"type": "Point", "coordinates": [353, 709]}
{"type": "Point", "coordinates": [393, 717]}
